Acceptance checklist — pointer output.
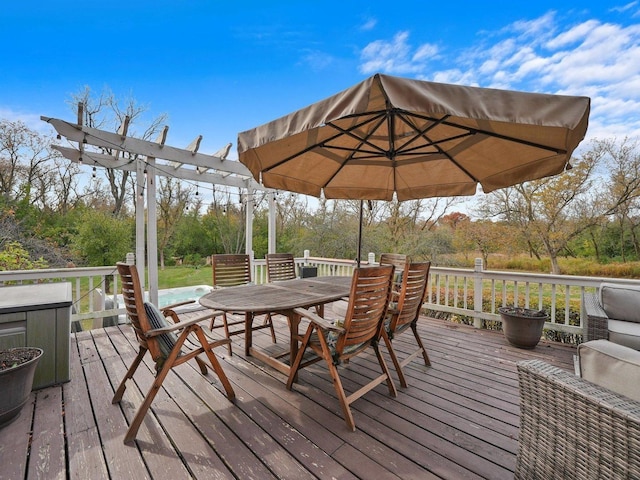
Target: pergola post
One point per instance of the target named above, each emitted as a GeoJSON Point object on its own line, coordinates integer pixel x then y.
{"type": "Point", "coordinates": [249, 205]}
{"type": "Point", "coordinates": [152, 231]}
{"type": "Point", "coordinates": [271, 244]}
{"type": "Point", "coordinates": [140, 226]}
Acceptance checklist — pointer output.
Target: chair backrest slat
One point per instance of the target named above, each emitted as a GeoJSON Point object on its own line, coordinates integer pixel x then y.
{"type": "Point", "coordinates": [368, 301]}
{"type": "Point", "coordinates": [134, 304]}
{"type": "Point", "coordinates": [414, 286]}
{"type": "Point", "coordinates": [231, 269]}
{"type": "Point", "coordinates": [280, 266]}
{"type": "Point", "coordinates": [398, 260]}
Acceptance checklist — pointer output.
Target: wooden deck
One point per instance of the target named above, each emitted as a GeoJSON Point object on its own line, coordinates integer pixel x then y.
{"type": "Point", "coordinates": [458, 418]}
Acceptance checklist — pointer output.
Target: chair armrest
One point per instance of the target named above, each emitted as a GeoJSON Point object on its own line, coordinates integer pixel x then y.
{"type": "Point", "coordinates": [318, 320]}
{"type": "Point", "coordinates": [171, 327]}
{"type": "Point", "coordinates": [179, 325]}
{"type": "Point", "coordinates": [596, 320]}
{"type": "Point", "coordinates": [174, 305]}
{"type": "Point", "coordinates": [567, 422]}
{"type": "Point", "coordinates": [169, 313]}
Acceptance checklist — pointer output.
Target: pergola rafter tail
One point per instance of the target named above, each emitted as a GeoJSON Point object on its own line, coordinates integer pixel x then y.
{"type": "Point", "coordinates": [150, 159]}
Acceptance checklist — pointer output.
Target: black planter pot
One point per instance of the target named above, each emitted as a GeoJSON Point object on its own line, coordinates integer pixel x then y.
{"type": "Point", "coordinates": [522, 327]}
{"type": "Point", "coordinates": [15, 385]}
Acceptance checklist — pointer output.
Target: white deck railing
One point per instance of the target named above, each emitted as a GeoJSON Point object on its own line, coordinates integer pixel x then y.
{"type": "Point", "coordinates": [474, 294]}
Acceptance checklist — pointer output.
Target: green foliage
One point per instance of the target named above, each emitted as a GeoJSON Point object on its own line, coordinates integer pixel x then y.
{"type": "Point", "coordinates": [103, 239]}
{"type": "Point", "coordinates": [14, 257]}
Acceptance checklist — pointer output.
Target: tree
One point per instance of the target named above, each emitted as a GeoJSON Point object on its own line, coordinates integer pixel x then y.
{"type": "Point", "coordinates": [14, 257]}
{"type": "Point", "coordinates": [551, 211]}
{"type": "Point", "coordinates": [103, 239]}
{"type": "Point", "coordinates": [623, 163]}
{"type": "Point", "coordinates": [173, 199]}
{"type": "Point", "coordinates": [24, 164]}
{"type": "Point", "coordinates": [106, 112]}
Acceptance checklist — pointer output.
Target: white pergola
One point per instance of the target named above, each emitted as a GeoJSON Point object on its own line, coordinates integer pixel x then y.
{"type": "Point", "coordinates": [151, 159]}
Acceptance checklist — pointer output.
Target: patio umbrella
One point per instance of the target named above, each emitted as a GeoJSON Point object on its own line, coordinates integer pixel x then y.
{"type": "Point", "coordinates": [415, 139]}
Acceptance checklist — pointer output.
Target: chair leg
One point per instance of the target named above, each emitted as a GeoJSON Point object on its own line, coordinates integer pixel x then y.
{"type": "Point", "coordinates": [132, 369]}
{"type": "Point", "coordinates": [295, 366]}
{"type": "Point", "coordinates": [216, 364]}
{"type": "Point", "coordinates": [269, 320]}
{"type": "Point", "coordinates": [203, 366]}
{"type": "Point", "coordinates": [385, 369]}
{"type": "Point", "coordinates": [414, 328]}
{"type": "Point", "coordinates": [344, 403]}
{"type": "Point", "coordinates": [225, 326]}
{"type": "Point", "coordinates": [151, 394]}
{"type": "Point", "coordinates": [394, 359]}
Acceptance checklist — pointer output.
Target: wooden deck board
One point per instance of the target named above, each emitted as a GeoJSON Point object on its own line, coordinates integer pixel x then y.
{"type": "Point", "coordinates": [457, 419]}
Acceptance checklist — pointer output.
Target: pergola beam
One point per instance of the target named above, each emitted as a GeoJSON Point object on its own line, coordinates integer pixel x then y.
{"type": "Point", "coordinates": [104, 139]}
{"type": "Point", "coordinates": [110, 161]}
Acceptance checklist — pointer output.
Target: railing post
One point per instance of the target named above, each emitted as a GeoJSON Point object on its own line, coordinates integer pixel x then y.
{"type": "Point", "coordinates": [372, 258]}
{"type": "Point", "coordinates": [477, 292]}
{"type": "Point", "coordinates": [130, 258]}
{"type": "Point", "coordinates": [306, 254]}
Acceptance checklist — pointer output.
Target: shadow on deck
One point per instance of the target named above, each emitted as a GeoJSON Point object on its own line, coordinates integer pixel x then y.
{"type": "Point", "coordinates": [458, 418]}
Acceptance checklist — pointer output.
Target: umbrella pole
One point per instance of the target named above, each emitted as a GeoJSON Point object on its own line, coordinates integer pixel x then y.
{"type": "Point", "coordinates": [359, 237]}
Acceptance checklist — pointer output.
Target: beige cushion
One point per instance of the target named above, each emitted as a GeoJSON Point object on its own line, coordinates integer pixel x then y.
{"type": "Point", "coordinates": [620, 302]}
{"type": "Point", "coordinates": [612, 366]}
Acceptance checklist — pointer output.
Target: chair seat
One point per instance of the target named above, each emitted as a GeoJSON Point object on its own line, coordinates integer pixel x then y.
{"type": "Point", "coordinates": [332, 340]}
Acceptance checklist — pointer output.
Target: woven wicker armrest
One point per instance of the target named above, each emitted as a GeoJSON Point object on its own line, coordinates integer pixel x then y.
{"type": "Point", "coordinates": [596, 321]}
{"type": "Point", "coordinates": [574, 428]}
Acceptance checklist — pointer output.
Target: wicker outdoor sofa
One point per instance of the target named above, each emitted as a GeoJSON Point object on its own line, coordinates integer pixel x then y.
{"type": "Point", "coordinates": [613, 313]}
{"type": "Point", "coordinates": [573, 429]}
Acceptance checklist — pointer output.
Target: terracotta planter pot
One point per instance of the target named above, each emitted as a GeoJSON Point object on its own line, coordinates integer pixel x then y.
{"type": "Point", "coordinates": [15, 385]}
{"type": "Point", "coordinates": [522, 327]}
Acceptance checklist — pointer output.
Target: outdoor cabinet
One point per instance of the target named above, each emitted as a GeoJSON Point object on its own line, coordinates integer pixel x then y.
{"type": "Point", "coordinates": [39, 316]}
{"type": "Point", "coordinates": [307, 272]}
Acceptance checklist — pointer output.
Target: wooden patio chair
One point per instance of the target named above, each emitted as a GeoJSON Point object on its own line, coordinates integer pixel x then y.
{"type": "Point", "coordinates": [230, 270]}
{"type": "Point", "coordinates": [400, 261]}
{"type": "Point", "coordinates": [405, 313]}
{"type": "Point", "coordinates": [360, 330]}
{"type": "Point", "coordinates": [280, 266]}
{"type": "Point", "coordinates": [165, 341]}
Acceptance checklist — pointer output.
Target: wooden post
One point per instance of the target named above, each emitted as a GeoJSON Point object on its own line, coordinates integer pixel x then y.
{"type": "Point", "coordinates": [477, 293]}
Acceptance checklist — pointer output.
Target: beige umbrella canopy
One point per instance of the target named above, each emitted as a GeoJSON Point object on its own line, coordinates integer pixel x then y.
{"type": "Point", "coordinates": [416, 139]}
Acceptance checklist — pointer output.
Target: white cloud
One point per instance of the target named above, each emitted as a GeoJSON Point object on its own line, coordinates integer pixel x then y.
{"type": "Point", "coordinates": [396, 56]}
{"type": "Point", "coordinates": [32, 121]}
{"type": "Point", "coordinates": [369, 24]}
{"type": "Point", "coordinates": [587, 58]}
{"type": "Point", "coordinates": [318, 60]}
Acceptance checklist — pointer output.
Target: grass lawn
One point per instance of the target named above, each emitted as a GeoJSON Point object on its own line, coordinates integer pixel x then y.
{"type": "Point", "coordinates": [184, 276]}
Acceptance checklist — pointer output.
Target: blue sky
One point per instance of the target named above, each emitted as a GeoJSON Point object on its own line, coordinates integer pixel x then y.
{"type": "Point", "coordinates": [218, 68]}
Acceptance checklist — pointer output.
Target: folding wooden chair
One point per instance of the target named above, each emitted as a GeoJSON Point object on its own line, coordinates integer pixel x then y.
{"type": "Point", "coordinates": [280, 266]}
{"type": "Point", "coordinates": [230, 270]}
{"type": "Point", "coordinates": [405, 313]}
{"type": "Point", "coordinates": [165, 342]}
{"type": "Point", "coordinates": [400, 261]}
{"type": "Point", "coordinates": [361, 329]}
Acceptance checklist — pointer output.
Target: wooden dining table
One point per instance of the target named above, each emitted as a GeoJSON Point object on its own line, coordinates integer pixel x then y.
{"type": "Point", "coordinates": [281, 297]}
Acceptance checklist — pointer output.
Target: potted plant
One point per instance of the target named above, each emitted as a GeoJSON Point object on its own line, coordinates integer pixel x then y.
{"type": "Point", "coordinates": [17, 367]}
{"type": "Point", "coordinates": [522, 327]}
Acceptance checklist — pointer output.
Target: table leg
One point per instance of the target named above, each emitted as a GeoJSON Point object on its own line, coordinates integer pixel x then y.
{"type": "Point", "coordinates": [248, 333]}
{"type": "Point", "coordinates": [294, 323]}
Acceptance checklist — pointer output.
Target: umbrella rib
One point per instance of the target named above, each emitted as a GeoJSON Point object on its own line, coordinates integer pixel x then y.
{"type": "Point", "coordinates": [362, 140]}
{"type": "Point", "coordinates": [379, 117]}
{"type": "Point", "coordinates": [489, 133]}
{"type": "Point", "coordinates": [323, 144]}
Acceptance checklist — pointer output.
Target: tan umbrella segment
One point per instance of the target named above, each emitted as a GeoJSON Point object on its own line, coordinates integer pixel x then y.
{"type": "Point", "coordinates": [416, 139]}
